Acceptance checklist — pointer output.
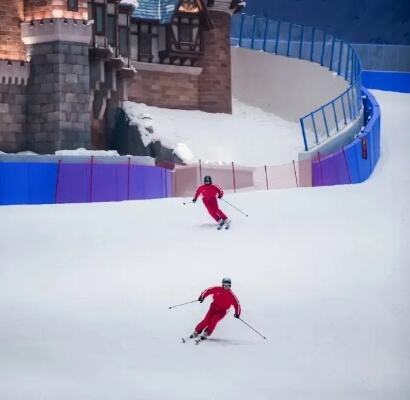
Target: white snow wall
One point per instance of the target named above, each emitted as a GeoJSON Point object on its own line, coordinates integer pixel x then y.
{"type": "Point", "coordinates": [287, 87]}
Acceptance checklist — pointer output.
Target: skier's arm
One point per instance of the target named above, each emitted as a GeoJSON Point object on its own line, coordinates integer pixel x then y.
{"type": "Point", "coordinates": [237, 306]}
{"type": "Point", "coordinates": [220, 192]}
{"type": "Point", "coordinates": [197, 193]}
{"type": "Point", "coordinates": [207, 292]}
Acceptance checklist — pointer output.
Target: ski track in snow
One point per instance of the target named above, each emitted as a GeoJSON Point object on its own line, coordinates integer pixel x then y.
{"type": "Point", "coordinates": [323, 273]}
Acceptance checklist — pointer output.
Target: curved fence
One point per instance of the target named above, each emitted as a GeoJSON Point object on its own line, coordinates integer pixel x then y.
{"type": "Point", "coordinates": [311, 44]}
{"type": "Point", "coordinates": [353, 163]}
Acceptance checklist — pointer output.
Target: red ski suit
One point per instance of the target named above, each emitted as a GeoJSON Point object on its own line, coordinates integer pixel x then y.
{"type": "Point", "coordinates": [223, 300]}
{"type": "Point", "coordinates": [210, 193]}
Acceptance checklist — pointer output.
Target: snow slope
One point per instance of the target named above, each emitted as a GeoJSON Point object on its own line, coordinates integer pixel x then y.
{"type": "Point", "coordinates": [249, 136]}
{"type": "Point", "coordinates": [323, 273]}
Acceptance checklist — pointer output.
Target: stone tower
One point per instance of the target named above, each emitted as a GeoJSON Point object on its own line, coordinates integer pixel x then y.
{"type": "Point", "coordinates": [58, 98]}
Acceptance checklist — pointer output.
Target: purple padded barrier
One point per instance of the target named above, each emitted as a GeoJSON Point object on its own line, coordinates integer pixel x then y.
{"type": "Point", "coordinates": [73, 183]}
{"type": "Point", "coordinates": [109, 182]}
{"type": "Point", "coordinates": [149, 182]}
{"type": "Point", "coordinates": [332, 170]}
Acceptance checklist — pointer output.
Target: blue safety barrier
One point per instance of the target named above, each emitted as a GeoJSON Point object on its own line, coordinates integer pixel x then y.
{"type": "Point", "coordinates": [26, 183]}
{"type": "Point", "coordinates": [387, 80]}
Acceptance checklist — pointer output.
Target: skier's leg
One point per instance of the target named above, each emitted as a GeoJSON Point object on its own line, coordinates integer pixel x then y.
{"type": "Point", "coordinates": [213, 211]}
{"type": "Point", "coordinates": [204, 323]}
{"type": "Point", "coordinates": [221, 214]}
{"type": "Point", "coordinates": [215, 318]}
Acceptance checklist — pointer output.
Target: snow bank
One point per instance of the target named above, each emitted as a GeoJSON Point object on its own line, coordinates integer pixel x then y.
{"type": "Point", "coordinates": [249, 136]}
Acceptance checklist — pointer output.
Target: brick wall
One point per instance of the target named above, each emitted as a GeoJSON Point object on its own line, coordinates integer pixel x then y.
{"type": "Point", "coordinates": [42, 9]}
{"type": "Point", "coordinates": [58, 97]}
{"type": "Point", "coordinates": [12, 117]}
{"type": "Point", "coordinates": [163, 89]}
{"type": "Point", "coordinates": [215, 91]}
{"type": "Point", "coordinates": [11, 45]}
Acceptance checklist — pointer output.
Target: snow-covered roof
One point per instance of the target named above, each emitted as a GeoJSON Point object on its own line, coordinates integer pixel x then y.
{"type": "Point", "coordinates": [134, 3]}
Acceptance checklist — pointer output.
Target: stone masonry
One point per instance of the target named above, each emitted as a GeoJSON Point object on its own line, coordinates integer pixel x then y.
{"type": "Point", "coordinates": [12, 117]}
{"type": "Point", "coordinates": [215, 88]}
{"type": "Point", "coordinates": [164, 89]}
{"type": "Point", "coordinates": [58, 97]}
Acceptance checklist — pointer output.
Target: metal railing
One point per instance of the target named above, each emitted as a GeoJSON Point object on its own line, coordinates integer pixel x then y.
{"type": "Point", "coordinates": [314, 45]}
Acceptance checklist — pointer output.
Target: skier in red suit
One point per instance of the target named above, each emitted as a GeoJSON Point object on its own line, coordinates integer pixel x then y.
{"type": "Point", "coordinates": [223, 298]}
{"type": "Point", "coordinates": [210, 194]}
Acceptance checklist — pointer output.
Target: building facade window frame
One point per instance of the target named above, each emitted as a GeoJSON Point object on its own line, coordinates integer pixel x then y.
{"type": "Point", "coordinates": [100, 23]}
{"type": "Point", "coordinates": [72, 5]}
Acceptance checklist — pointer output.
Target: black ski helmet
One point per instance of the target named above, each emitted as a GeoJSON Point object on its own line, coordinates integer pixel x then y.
{"type": "Point", "coordinates": [226, 281]}
{"type": "Point", "coordinates": [207, 180]}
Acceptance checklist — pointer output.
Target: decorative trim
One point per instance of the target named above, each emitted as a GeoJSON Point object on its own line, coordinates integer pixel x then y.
{"type": "Point", "coordinates": [170, 69]}
{"type": "Point", "coordinates": [14, 72]}
{"type": "Point", "coordinates": [52, 30]}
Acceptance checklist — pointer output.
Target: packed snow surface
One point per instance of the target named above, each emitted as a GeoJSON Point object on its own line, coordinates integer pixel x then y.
{"type": "Point", "coordinates": [249, 136]}
{"type": "Point", "coordinates": [323, 273]}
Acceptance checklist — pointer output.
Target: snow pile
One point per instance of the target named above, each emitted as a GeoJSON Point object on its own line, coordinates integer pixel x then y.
{"type": "Point", "coordinates": [84, 152]}
{"type": "Point", "coordinates": [323, 273]}
{"type": "Point", "coordinates": [249, 136]}
{"type": "Point", "coordinates": [133, 3]}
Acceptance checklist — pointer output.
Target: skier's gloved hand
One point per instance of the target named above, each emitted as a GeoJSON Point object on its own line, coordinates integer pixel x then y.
{"type": "Point", "coordinates": [236, 315]}
{"type": "Point", "coordinates": [219, 196]}
{"type": "Point", "coordinates": [201, 300]}
{"type": "Point", "coordinates": [193, 200]}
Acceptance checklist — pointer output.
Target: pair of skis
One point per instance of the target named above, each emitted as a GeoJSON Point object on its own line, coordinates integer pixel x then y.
{"type": "Point", "coordinates": [197, 340]}
{"type": "Point", "coordinates": [224, 224]}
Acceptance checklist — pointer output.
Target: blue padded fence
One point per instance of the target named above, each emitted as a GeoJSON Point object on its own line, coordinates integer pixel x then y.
{"type": "Point", "coordinates": [62, 181]}
{"type": "Point", "coordinates": [353, 163]}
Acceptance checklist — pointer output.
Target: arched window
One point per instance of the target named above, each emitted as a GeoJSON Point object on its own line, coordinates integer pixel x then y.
{"type": "Point", "coordinates": [72, 5]}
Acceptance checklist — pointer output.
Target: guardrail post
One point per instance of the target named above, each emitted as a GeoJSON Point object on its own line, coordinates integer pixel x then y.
{"type": "Point", "coordinates": [350, 104]}
{"type": "Point", "coordinates": [253, 31]}
{"type": "Point", "coordinates": [289, 40]}
{"type": "Point", "coordinates": [266, 177]}
{"type": "Point", "coordinates": [301, 41]}
{"type": "Point", "coordinates": [57, 181]}
{"type": "Point", "coordinates": [314, 127]}
{"type": "Point", "coordinates": [331, 56]}
{"type": "Point", "coordinates": [91, 179]}
{"type": "Point", "coordinates": [334, 114]}
{"type": "Point", "coordinates": [233, 175]}
{"type": "Point", "coordinates": [302, 124]}
{"type": "Point", "coordinates": [313, 43]}
{"type": "Point", "coordinates": [323, 50]}
{"type": "Point", "coordinates": [343, 108]}
{"type": "Point", "coordinates": [296, 176]}
{"type": "Point", "coordinates": [340, 57]}
{"type": "Point", "coordinates": [325, 121]}
{"type": "Point", "coordinates": [128, 177]}
{"type": "Point", "coordinates": [241, 29]}
{"type": "Point", "coordinates": [265, 35]}
{"type": "Point", "coordinates": [277, 38]}
{"type": "Point", "coordinates": [347, 63]}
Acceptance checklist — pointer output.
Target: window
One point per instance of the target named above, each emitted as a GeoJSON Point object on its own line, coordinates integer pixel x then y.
{"type": "Point", "coordinates": [99, 20]}
{"type": "Point", "coordinates": [123, 38]}
{"type": "Point", "coordinates": [185, 33]}
{"type": "Point", "coordinates": [72, 5]}
{"type": "Point", "coordinates": [112, 30]}
{"type": "Point", "coordinates": [145, 47]}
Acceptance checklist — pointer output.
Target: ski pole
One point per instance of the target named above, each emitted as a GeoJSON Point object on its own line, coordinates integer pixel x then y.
{"type": "Point", "coordinates": [183, 304]}
{"type": "Point", "coordinates": [187, 202]}
{"type": "Point", "coordinates": [236, 208]}
{"type": "Point", "coordinates": [240, 319]}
